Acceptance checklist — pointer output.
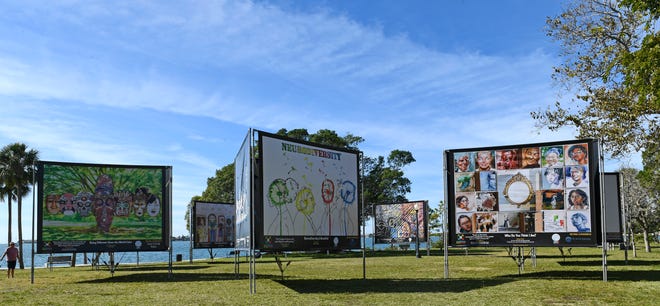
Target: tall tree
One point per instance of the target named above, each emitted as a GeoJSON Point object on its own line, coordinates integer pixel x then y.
{"type": "Point", "coordinates": [384, 180]}
{"type": "Point", "coordinates": [611, 66]}
{"type": "Point", "coordinates": [650, 175]}
{"type": "Point", "coordinates": [643, 205]}
{"type": "Point", "coordinates": [17, 167]}
{"type": "Point", "coordinates": [7, 192]}
{"type": "Point", "coordinates": [220, 188]}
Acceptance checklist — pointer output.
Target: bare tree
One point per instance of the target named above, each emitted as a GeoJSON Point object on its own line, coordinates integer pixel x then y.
{"type": "Point", "coordinates": [643, 207]}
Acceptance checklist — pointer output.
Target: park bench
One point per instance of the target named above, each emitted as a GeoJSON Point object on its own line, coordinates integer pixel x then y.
{"type": "Point", "coordinates": [59, 260]}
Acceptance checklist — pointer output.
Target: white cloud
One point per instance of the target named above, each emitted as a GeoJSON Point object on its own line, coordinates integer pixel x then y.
{"type": "Point", "coordinates": [331, 54]}
{"type": "Point", "coordinates": [67, 66]}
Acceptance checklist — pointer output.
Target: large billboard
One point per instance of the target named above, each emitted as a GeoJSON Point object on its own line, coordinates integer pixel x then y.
{"type": "Point", "coordinates": [400, 223]}
{"type": "Point", "coordinates": [613, 211]}
{"type": "Point", "coordinates": [309, 196]}
{"type": "Point", "coordinates": [102, 208]}
{"type": "Point", "coordinates": [544, 194]}
{"type": "Point", "coordinates": [213, 224]}
{"type": "Point", "coordinates": [243, 172]}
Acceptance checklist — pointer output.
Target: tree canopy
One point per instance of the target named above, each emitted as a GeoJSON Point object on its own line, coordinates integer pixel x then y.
{"type": "Point", "coordinates": [611, 59]}
{"type": "Point", "coordinates": [220, 188]}
{"type": "Point", "coordinates": [384, 180]}
{"type": "Point", "coordinates": [611, 67]}
{"type": "Point", "coordinates": [324, 137]}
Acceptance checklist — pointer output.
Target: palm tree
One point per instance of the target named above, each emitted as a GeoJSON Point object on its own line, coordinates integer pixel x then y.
{"type": "Point", "coordinates": [6, 191]}
{"type": "Point", "coordinates": [17, 167]}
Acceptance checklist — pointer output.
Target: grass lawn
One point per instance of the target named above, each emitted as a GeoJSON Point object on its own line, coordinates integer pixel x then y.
{"type": "Point", "coordinates": [484, 276]}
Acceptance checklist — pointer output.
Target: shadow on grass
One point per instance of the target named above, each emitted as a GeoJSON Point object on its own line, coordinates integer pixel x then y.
{"type": "Point", "coordinates": [397, 253]}
{"type": "Point", "coordinates": [243, 261]}
{"type": "Point", "coordinates": [567, 257]}
{"type": "Point", "coordinates": [633, 275]}
{"type": "Point", "coordinates": [617, 263]}
{"type": "Point", "coordinates": [389, 285]}
{"type": "Point", "coordinates": [121, 268]}
{"type": "Point", "coordinates": [164, 277]}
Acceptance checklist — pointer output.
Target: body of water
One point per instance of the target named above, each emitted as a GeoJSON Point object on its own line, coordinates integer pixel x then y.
{"type": "Point", "coordinates": [179, 249]}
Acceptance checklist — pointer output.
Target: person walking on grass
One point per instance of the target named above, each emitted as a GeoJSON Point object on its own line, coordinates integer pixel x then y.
{"type": "Point", "coordinates": [12, 256]}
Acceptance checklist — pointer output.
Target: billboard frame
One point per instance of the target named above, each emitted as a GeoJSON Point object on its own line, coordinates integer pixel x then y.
{"type": "Point", "coordinates": [227, 223]}
{"type": "Point", "coordinates": [296, 241]}
{"type": "Point", "coordinates": [531, 237]}
{"type": "Point", "coordinates": [109, 245]}
{"type": "Point", "coordinates": [423, 213]}
{"type": "Point", "coordinates": [614, 209]}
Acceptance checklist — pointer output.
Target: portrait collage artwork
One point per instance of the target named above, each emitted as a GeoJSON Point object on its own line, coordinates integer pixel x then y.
{"type": "Point", "coordinates": [535, 189]}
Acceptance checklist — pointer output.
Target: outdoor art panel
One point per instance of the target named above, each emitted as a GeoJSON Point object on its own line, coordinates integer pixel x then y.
{"type": "Point", "coordinates": [243, 194]}
{"type": "Point", "coordinates": [213, 224]}
{"type": "Point", "coordinates": [400, 223]}
{"type": "Point", "coordinates": [84, 207]}
{"type": "Point", "coordinates": [536, 194]}
{"type": "Point", "coordinates": [310, 195]}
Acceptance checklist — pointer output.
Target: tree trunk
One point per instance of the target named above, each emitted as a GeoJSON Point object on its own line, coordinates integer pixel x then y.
{"type": "Point", "coordinates": [633, 245]}
{"type": "Point", "coordinates": [21, 263]}
{"type": "Point", "coordinates": [647, 245]}
{"type": "Point", "coordinates": [9, 218]}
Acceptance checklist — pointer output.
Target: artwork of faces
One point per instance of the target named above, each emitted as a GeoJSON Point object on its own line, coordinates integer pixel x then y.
{"type": "Point", "coordinates": [214, 226]}
{"type": "Point", "coordinates": [52, 204]}
{"type": "Point", "coordinates": [577, 154]}
{"type": "Point", "coordinates": [465, 223]}
{"type": "Point", "coordinates": [464, 162]}
{"type": "Point", "coordinates": [104, 204]}
{"type": "Point", "coordinates": [531, 157]}
{"type": "Point", "coordinates": [153, 206]}
{"type": "Point", "coordinates": [526, 189]}
{"type": "Point", "coordinates": [553, 156]}
{"type": "Point", "coordinates": [507, 159]}
{"type": "Point", "coordinates": [89, 208]}
{"type": "Point", "coordinates": [485, 161]}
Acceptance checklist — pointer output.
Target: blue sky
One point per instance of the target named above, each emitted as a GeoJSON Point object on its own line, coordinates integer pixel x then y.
{"type": "Point", "coordinates": [180, 82]}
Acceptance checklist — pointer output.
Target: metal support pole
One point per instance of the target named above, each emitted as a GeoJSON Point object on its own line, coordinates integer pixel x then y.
{"type": "Point", "coordinates": [34, 208]}
{"type": "Point", "coordinates": [169, 234]}
{"type": "Point", "coordinates": [364, 223]}
{"type": "Point", "coordinates": [624, 216]}
{"type": "Point", "coordinates": [192, 235]}
{"type": "Point", "coordinates": [445, 218]}
{"type": "Point", "coordinates": [603, 218]}
{"type": "Point", "coordinates": [417, 231]}
{"type": "Point", "coordinates": [426, 228]}
{"type": "Point", "coordinates": [253, 266]}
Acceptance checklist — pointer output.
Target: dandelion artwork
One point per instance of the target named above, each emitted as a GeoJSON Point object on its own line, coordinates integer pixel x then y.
{"type": "Point", "coordinates": [308, 190]}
